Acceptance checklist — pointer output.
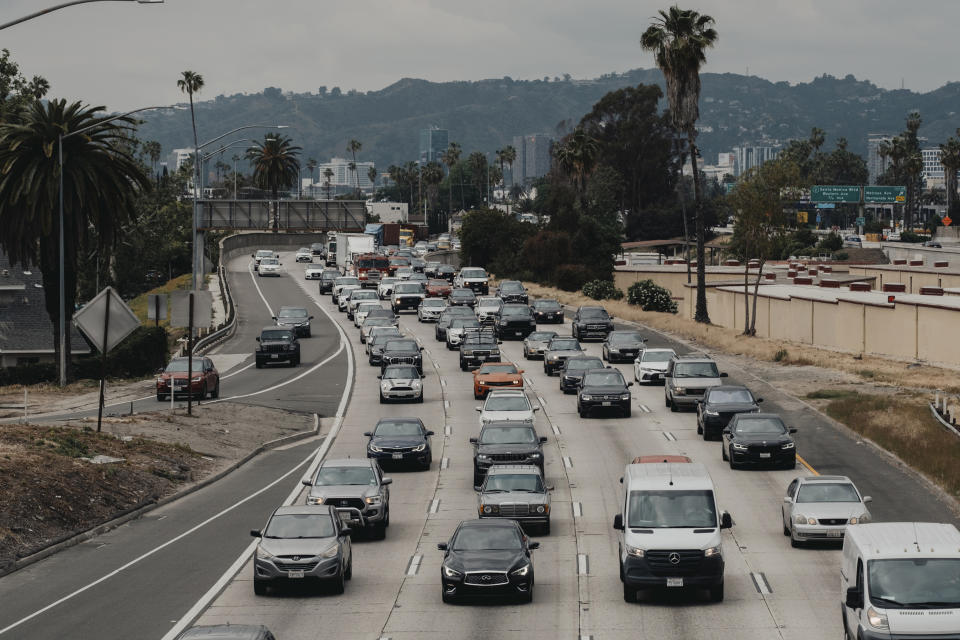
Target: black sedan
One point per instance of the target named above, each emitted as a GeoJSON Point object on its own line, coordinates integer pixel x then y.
{"type": "Point", "coordinates": [547, 311]}
{"type": "Point", "coordinates": [400, 440]}
{"type": "Point", "coordinates": [487, 558]}
{"type": "Point", "coordinates": [446, 272]}
{"type": "Point", "coordinates": [572, 370]}
{"type": "Point", "coordinates": [720, 404]}
{"type": "Point", "coordinates": [462, 297]}
{"type": "Point", "coordinates": [759, 439]}
{"type": "Point", "coordinates": [603, 389]}
{"type": "Point", "coordinates": [622, 346]}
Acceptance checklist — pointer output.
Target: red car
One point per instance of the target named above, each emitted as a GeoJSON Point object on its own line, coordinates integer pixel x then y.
{"type": "Point", "coordinates": [206, 379]}
{"type": "Point", "coordinates": [438, 288]}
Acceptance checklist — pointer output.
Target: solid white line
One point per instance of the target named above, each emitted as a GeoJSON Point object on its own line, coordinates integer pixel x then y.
{"type": "Point", "coordinates": [257, 286]}
{"type": "Point", "coordinates": [543, 403]}
{"type": "Point", "coordinates": [443, 381]}
{"type": "Point", "coordinates": [445, 463]}
{"type": "Point", "coordinates": [446, 404]}
{"type": "Point", "coordinates": [583, 565]}
{"type": "Point", "coordinates": [414, 565]}
{"type": "Point", "coordinates": [577, 510]}
{"type": "Point", "coordinates": [567, 462]}
{"type": "Point", "coordinates": [528, 382]}
{"type": "Point", "coordinates": [435, 505]}
{"type": "Point", "coordinates": [556, 429]}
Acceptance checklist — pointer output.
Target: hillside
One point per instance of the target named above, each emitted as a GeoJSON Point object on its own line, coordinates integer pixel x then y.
{"type": "Point", "coordinates": [485, 115]}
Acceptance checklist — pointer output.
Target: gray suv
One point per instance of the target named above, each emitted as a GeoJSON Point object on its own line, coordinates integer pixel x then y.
{"type": "Point", "coordinates": [357, 489]}
{"type": "Point", "coordinates": [686, 379]}
{"type": "Point", "coordinates": [516, 492]}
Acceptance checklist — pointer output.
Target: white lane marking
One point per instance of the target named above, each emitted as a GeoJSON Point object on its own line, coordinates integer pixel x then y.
{"type": "Point", "coordinates": [669, 436]}
{"type": "Point", "coordinates": [445, 463]}
{"type": "Point", "coordinates": [443, 381]}
{"type": "Point", "coordinates": [448, 430]}
{"type": "Point", "coordinates": [543, 403]}
{"type": "Point", "coordinates": [567, 462]}
{"type": "Point", "coordinates": [577, 510]}
{"type": "Point", "coordinates": [528, 382]}
{"type": "Point", "coordinates": [583, 564]}
{"type": "Point", "coordinates": [414, 565]}
{"type": "Point", "coordinates": [556, 429]}
{"type": "Point", "coordinates": [645, 408]}
{"type": "Point", "coordinates": [257, 286]}
{"type": "Point", "coordinates": [446, 404]}
{"type": "Point", "coordinates": [761, 584]}
{"type": "Point", "coordinates": [435, 505]}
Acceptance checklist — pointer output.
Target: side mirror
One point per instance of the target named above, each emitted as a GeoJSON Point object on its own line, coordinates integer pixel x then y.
{"type": "Point", "coordinates": [723, 375]}
{"type": "Point", "coordinates": [421, 348]}
{"type": "Point", "coordinates": [255, 533]}
{"type": "Point", "coordinates": [759, 400]}
{"type": "Point", "coordinates": [369, 434]}
{"type": "Point", "coordinates": [379, 377]}
{"type": "Point", "coordinates": [618, 522]}
{"type": "Point", "coordinates": [258, 338]}
{"type": "Point", "coordinates": [726, 431]}
{"type": "Point", "coordinates": [726, 522]}
{"type": "Point", "coordinates": [550, 487]}
{"type": "Point", "coordinates": [274, 317]}
{"type": "Point", "coordinates": [792, 430]}
{"type": "Point", "coordinates": [386, 481]}
{"type": "Point", "coordinates": [307, 482]}
{"type": "Point", "coordinates": [478, 408]}
{"type": "Point", "coordinates": [442, 546]}
{"type": "Point", "coordinates": [346, 531]}
{"type": "Point", "coordinates": [429, 433]}
{"type": "Point", "coordinates": [536, 409]}
{"type": "Point", "coordinates": [253, 255]}
{"type": "Point", "coordinates": [854, 598]}
{"type": "Point", "coordinates": [621, 479]}
{"type": "Point", "coordinates": [867, 499]}
{"type": "Point", "coordinates": [629, 384]}
{"type": "Point", "coordinates": [473, 441]}
{"type": "Point", "coordinates": [787, 499]}
{"type": "Point", "coordinates": [543, 439]}
{"type": "Point", "coordinates": [533, 545]}
{"type": "Point", "coordinates": [310, 318]}
{"type": "Point", "coordinates": [519, 371]}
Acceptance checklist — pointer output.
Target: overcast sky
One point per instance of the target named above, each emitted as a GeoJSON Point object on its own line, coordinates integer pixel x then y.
{"type": "Point", "coordinates": [127, 55]}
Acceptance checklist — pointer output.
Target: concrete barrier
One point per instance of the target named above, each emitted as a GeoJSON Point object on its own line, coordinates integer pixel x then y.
{"type": "Point", "coordinates": [241, 243]}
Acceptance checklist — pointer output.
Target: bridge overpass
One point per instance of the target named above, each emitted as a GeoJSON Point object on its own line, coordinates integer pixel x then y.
{"type": "Point", "coordinates": [282, 215]}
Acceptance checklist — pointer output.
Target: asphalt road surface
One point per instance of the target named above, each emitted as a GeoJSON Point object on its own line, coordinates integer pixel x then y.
{"type": "Point", "coordinates": [772, 590]}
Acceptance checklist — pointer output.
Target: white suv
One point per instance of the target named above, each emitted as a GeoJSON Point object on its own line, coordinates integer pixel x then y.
{"type": "Point", "coordinates": [507, 405]}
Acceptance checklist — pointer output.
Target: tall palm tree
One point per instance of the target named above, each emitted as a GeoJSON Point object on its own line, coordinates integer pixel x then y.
{"type": "Point", "coordinates": [101, 182]}
{"type": "Point", "coordinates": [353, 147]}
{"type": "Point", "coordinates": [152, 149]}
{"type": "Point", "coordinates": [328, 174]}
{"type": "Point", "coordinates": [950, 159]}
{"type": "Point", "coordinates": [311, 167]}
{"type": "Point", "coordinates": [372, 176]}
{"type": "Point", "coordinates": [679, 39]}
{"type": "Point", "coordinates": [509, 157]}
{"type": "Point", "coordinates": [352, 168]}
{"type": "Point", "coordinates": [577, 157]}
{"type": "Point", "coordinates": [450, 158]}
{"type": "Point", "coordinates": [432, 175]}
{"type": "Point", "coordinates": [190, 83]}
{"type": "Point", "coordinates": [275, 164]}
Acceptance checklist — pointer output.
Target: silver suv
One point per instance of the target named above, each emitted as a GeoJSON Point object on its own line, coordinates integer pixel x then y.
{"type": "Point", "coordinates": [517, 492]}
{"type": "Point", "coordinates": [687, 377]}
{"type": "Point", "coordinates": [357, 489]}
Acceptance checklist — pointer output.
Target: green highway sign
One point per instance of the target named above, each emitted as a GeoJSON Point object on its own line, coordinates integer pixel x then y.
{"type": "Point", "coordinates": [885, 195]}
{"type": "Point", "coordinates": [861, 221]}
{"type": "Point", "coordinates": [834, 193]}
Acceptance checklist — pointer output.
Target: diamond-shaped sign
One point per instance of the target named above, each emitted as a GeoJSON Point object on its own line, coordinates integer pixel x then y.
{"type": "Point", "coordinates": [946, 221]}
{"type": "Point", "coordinates": [91, 319]}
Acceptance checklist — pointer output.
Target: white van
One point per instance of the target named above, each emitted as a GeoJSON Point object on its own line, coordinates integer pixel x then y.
{"type": "Point", "coordinates": [669, 529]}
{"type": "Point", "coordinates": [901, 580]}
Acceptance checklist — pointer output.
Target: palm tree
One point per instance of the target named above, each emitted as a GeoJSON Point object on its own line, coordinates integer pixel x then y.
{"type": "Point", "coordinates": [352, 168]}
{"type": "Point", "coordinates": [372, 176]}
{"type": "Point", "coordinates": [509, 156]}
{"type": "Point", "coordinates": [577, 157]}
{"type": "Point", "coordinates": [432, 175]}
{"type": "Point", "coordinates": [328, 174]}
{"type": "Point", "coordinates": [152, 149]}
{"type": "Point", "coordinates": [353, 146]}
{"type": "Point", "coordinates": [450, 158]}
{"type": "Point", "coordinates": [950, 159]}
{"type": "Point", "coordinates": [275, 164]}
{"type": "Point", "coordinates": [679, 39]}
{"type": "Point", "coordinates": [311, 167]}
{"type": "Point", "coordinates": [101, 182]}
{"type": "Point", "coordinates": [191, 83]}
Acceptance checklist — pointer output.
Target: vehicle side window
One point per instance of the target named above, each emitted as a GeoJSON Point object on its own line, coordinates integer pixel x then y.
{"type": "Point", "coordinates": [792, 489]}
{"type": "Point", "coordinates": [669, 369]}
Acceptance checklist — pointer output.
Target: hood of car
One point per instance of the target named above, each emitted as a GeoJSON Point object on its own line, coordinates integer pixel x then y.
{"type": "Point", "coordinates": [828, 509]}
{"type": "Point", "coordinates": [292, 322]}
{"type": "Point", "coordinates": [485, 560]}
{"type": "Point", "coordinates": [564, 353]}
{"type": "Point", "coordinates": [513, 447]}
{"type": "Point", "coordinates": [404, 353]}
{"type": "Point", "coordinates": [605, 389]}
{"type": "Point", "coordinates": [654, 366]}
{"type": "Point", "coordinates": [697, 383]}
{"type": "Point", "coordinates": [273, 343]}
{"type": "Point", "coordinates": [755, 438]}
{"type": "Point", "coordinates": [401, 382]}
{"type": "Point", "coordinates": [303, 547]}
{"type": "Point", "coordinates": [730, 407]}
{"type": "Point", "coordinates": [397, 441]}
{"type": "Point", "coordinates": [178, 375]}
{"type": "Point", "coordinates": [498, 377]}
{"type": "Point", "coordinates": [626, 345]}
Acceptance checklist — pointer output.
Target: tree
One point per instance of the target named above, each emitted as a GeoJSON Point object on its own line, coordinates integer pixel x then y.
{"type": "Point", "coordinates": [353, 147]}
{"type": "Point", "coordinates": [372, 176]}
{"type": "Point", "coordinates": [275, 164]}
{"type": "Point", "coordinates": [311, 167]}
{"type": "Point", "coordinates": [577, 156]}
{"type": "Point", "coordinates": [477, 162]}
{"type": "Point", "coordinates": [679, 39]}
{"type": "Point", "coordinates": [950, 159]}
{"type": "Point", "coordinates": [16, 91]}
{"type": "Point", "coordinates": [190, 83]}
{"type": "Point", "coordinates": [450, 158]}
{"type": "Point", "coordinates": [328, 175]}
{"type": "Point", "coordinates": [152, 150]}
{"type": "Point", "coordinates": [432, 175]}
{"type": "Point", "coordinates": [100, 181]}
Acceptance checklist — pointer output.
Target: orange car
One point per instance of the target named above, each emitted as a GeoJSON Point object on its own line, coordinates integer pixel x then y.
{"type": "Point", "coordinates": [438, 288]}
{"type": "Point", "coordinates": [660, 458]}
{"type": "Point", "coordinates": [496, 375]}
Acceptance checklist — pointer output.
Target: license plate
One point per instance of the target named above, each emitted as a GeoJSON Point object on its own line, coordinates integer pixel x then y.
{"type": "Point", "coordinates": [605, 404]}
{"type": "Point", "coordinates": [398, 456]}
{"type": "Point", "coordinates": [298, 573]}
{"type": "Point", "coordinates": [274, 355]}
{"type": "Point", "coordinates": [674, 582]}
{"type": "Point", "coordinates": [764, 455]}
{"type": "Point", "coordinates": [518, 333]}
{"type": "Point", "coordinates": [834, 534]}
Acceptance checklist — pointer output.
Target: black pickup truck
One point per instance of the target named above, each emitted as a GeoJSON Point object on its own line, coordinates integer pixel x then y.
{"type": "Point", "coordinates": [478, 346]}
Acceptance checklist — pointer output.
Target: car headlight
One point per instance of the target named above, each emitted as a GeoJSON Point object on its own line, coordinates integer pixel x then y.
{"type": "Point", "coordinates": [535, 454]}
{"type": "Point", "coordinates": [416, 384]}
{"type": "Point", "coordinates": [876, 619]}
{"type": "Point", "coordinates": [197, 378]}
{"type": "Point", "coordinates": [636, 552]}
{"type": "Point", "coordinates": [385, 386]}
{"type": "Point", "coordinates": [586, 397]}
{"type": "Point", "coordinates": [708, 412]}
{"type": "Point", "coordinates": [788, 445]}
{"type": "Point", "coordinates": [516, 382]}
{"type": "Point", "coordinates": [679, 390]}
{"type": "Point", "coordinates": [862, 519]}
{"type": "Point", "coordinates": [263, 554]}
{"type": "Point", "coordinates": [314, 499]}
{"type": "Point", "coordinates": [805, 520]}
{"type": "Point", "coordinates": [420, 447]}
{"type": "Point", "coordinates": [613, 349]}
{"type": "Point", "coordinates": [331, 552]}
{"type": "Point", "coordinates": [489, 509]}
{"type": "Point", "coordinates": [373, 500]}
{"type": "Point", "coordinates": [625, 396]}
{"type": "Point", "coordinates": [522, 571]}
{"type": "Point", "coordinates": [451, 573]}
{"type": "Point", "coordinates": [711, 552]}
{"type": "Point", "coordinates": [542, 508]}
{"type": "Point", "coordinates": [483, 456]}
{"type": "Point", "coordinates": [739, 447]}
{"type": "Point", "coordinates": [495, 352]}
{"type": "Point", "coordinates": [375, 448]}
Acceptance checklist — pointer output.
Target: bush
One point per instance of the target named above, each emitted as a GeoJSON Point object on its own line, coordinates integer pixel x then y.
{"type": "Point", "coordinates": [841, 255]}
{"type": "Point", "coordinates": [831, 242]}
{"type": "Point", "coordinates": [909, 236]}
{"type": "Point", "coordinates": [602, 290]}
{"type": "Point", "coordinates": [651, 297]}
{"type": "Point", "coordinates": [571, 277]}
{"type": "Point", "coordinates": [29, 374]}
{"type": "Point", "coordinates": [141, 353]}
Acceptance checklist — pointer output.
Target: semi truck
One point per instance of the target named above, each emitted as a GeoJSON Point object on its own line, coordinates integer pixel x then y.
{"type": "Point", "coordinates": [350, 244]}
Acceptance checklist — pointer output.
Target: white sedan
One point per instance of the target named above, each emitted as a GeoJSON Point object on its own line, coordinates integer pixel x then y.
{"type": "Point", "coordinates": [507, 405]}
{"type": "Point", "coordinates": [651, 364]}
{"type": "Point", "coordinates": [313, 271]}
{"type": "Point", "coordinates": [362, 311]}
{"type": "Point", "coordinates": [430, 309]}
{"type": "Point", "coordinates": [304, 254]}
{"type": "Point", "coordinates": [270, 267]}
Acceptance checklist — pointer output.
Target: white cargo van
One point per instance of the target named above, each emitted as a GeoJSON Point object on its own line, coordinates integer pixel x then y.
{"type": "Point", "coordinates": [669, 529]}
{"type": "Point", "coordinates": [901, 580]}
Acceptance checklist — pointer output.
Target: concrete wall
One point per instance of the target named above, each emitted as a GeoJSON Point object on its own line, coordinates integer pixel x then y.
{"type": "Point", "coordinates": [913, 277]}
{"type": "Point", "coordinates": [916, 251]}
{"type": "Point", "coordinates": [241, 243]}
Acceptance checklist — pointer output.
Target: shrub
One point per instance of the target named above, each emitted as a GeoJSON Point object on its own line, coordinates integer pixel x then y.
{"type": "Point", "coordinates": [830, 242]}
{"type": "Point", "coordinates": [571, 277]}
{"type": "Point", "coordinates": [651, 297]}
{"type": "Point", "coordinates": [141, 353]}
{"type": "Point", "coordinates": [841, 255]}
{"type": "Point", "coordinates": [781, 355]}
{"type": "Point", "coordinates": [602, 290]}
{"type": "Point", "coordinates": [28, 374]}
{"type": "Point", "coordinates": [909, 236]}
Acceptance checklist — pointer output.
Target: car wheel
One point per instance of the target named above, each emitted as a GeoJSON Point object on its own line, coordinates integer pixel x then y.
{"type": "Point", "coordinates": [386, 517]}
{"type": "Point", "coordinates": [477, 478]}
{"type": "Point", "coordinates": [379, 531]}
{"type": "Point", "coordinates": [259, 587]}
{"type": "Point", "coordinates": [716, 593]}
{"type": "Point", "coordinates": [629, 593]}
{"type": "Point", "coordinates": [349, 572]}
{"type": "Point", "coordinates": [216, 390]}
{"type": "Point", "coordinates": [786, 530]}
{"type": "Point", "coordinates": [447, 599]}
{"type": "Point", "coordinates": [793, 541]}
{"type": "Point", "coordinates": [666, 400]}
{"type": "Point", "coordinates": [723, 453]}
{"type": "Point", "coordinates": [259, 364]}
{"type": "Point", "coordinates": [700, 430]}
{"type": "Point", "coordinates": [463, 366]}
{"type": "Point", "coordinates": [420, 399]}
{"type": "Point", "coordinates": [546, 528]}
{"type": "Point", "coordinates": [673, 406]}
{"type": "Point", "coordinates": [309, 333]}
{"type": "Point", "coordinates": [733, 465]}
{"type": "Point", "coordinates": [605, 356]}
{"type": "Point", "coordinates": [383, 400]}
{"type": "Point", "coordinates": [628, 412]}
{"type": "Point", "coordinates": [296, 360]}
{"type": "Point", "coordinates": [528, 596]}
{"type": "Point", "coordinates": [161, 397]}
{"type": "Point", "coordinates": [338, 583]}
{"type": "Point", "coordinates": [581, 412]}
{"type": "Point", "coordinates": [203, 392]}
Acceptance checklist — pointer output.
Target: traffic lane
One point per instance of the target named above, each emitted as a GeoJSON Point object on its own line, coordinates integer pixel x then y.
{"type": "Point", "coordinates": [379, 567]}
{"type": "Point", "coordinates": [161, 587]}
{"type": "Point", "coordinates": [601, 447]}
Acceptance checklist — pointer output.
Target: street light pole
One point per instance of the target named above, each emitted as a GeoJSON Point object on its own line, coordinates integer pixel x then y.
{"type": "Point", "coordinates": [44, 12]}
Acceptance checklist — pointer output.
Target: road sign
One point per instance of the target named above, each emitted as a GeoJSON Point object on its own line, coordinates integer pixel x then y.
{"type": "Point", "coordinates": [834, 193]}
{"type": "Point", "coordinates": [946, 221]}
{"type": "Point", "coordinates": [884, 194]}
{"type": "Point", "coordinates": [180, 309]}
{"type": "Point", "coordinates": [91, 319]}
{"type": "Point", "coordinates": [801, 216]}
{"type": "Point", "coordinates": [861, 221]}
{"type": "Point", "coordinates": [826, 205]}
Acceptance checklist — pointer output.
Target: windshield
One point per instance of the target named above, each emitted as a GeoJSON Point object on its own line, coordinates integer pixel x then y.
{"type": "Point", "coordinates": [514, 482]}
{"type": "Point", "coordinates": [496, 368]}
{"type": "Point", "coordinates": [402, 345]}
{"type": "Point", "coordinates": [656, 356]}
{"type": "Point", "coordinates": [473, 273]}
{"type": "Point", "coordinates": [400, 373]}
{"type": "Point", "coordinates": [339, 476]}
{"type": "Point", "coordinates": [445, 268]}
{"type": "Point", "coordinates": [383, 334]}
{"type": "Point", "coordinates": [264, 261]}
{"type": "Point", "coordinates": [490, 303]}
{"type": "Point", "coordinates": [297, 525]}
{"type": "Point", "coordinates": [373, 263]}
{"type": "Point", "coordinates": [180, 365]}
{"type": "Point", "coordinates": [400, 262]}
{"type": "Point", "coordinates": [823, 492]}
{"type": "Point", "coordinates": [546, 305]}
{"type": "Point", "coordinates": [760, 426]}
{"type": "Point", "coordinates": [292, 313]}
{"type": "Point", "coordinates": [367, 307]}
{"type": "Point", "coordinates": [607, 378]}
{"type": "Point", "coordinates": [564, 344]}
{"type": "Point", "coordinates": [487, 539]}
{"type": "Point", "coordinates": [329, 275]}
{"type": "Point", "coordinates": [625, 338]}
{"type": "Point", "coordinates": [391, 428]}
{"type": "Point", "coordinates": [506, 403]}
{"type": "Point", "coordinates": [406, 287]}
{"type": "Point", "coordinates": [578, 364]}
{"type": "Point", "coordinates": [593, 314]}
{"type": "Point", "coordinates": [933, 582]}
{"type": "Point", "coordinates": [360, 294]}
{"type": "Point", "coordinates": [462, 293]}
{"type": "Point", "coordinates": [460, 323]}
{"type": "Point", "coordinates": [345, 280]}
{"type": "Point", "coordinates": [516, 311]}
{"type": "Point", "coordinates": [388, 280]}
{"type": "Point", "coordinates": [696, 370]}
{"type": "Point", "coordinates": [276, 335]}
{"type": "Point", "coordinates": [508, 435]}
{"type": "Point", "coordinates": [511, 287]}
{"type": "Point", "coordinates": [264, 253]}
{"type": "Point", "coordinates": [439, 283]}
{"type": "Point", "coordinates": [434, 302]}
{"type": "Point", "coordinates": [721, 396]}
{"type": "Point", "coordinates": [542, 336]}
{"type": "Point", "coordinates": [671, 509]}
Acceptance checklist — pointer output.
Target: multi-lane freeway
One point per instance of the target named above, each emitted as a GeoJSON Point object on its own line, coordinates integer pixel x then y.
{"type": "Point", "coordinates": [189, 561]}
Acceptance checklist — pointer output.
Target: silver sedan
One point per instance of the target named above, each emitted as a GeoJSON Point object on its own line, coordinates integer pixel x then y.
{"type": "Point", "coordinates": [820, 508]}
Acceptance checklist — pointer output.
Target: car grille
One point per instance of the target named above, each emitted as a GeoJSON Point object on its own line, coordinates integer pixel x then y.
{"type": "Point", "coordinates": [498, 383]}
{"type": "Point", "coordinates": [287, 563]}
{"type": "Point", "coordinates": [761, 448]}
{"type": "Point", "coordinates": [514, 509]}
{"type": "Point", "coordinates": [629, 352]}
{"type": "Point", "coordinates": [693, 392]}
{"type": "Point", "coordinates": [275, 348]}
{"type": "Point", "coordinates": [400, 359]}
{"type": "Point", "coordinates": [396, 449]}
{"type": "Point", "coordinates": [345, 503]}
{"type": "Point", "coordinates": [674, 563]}
{"type": "Point", "coordinates": [614, 397]}
{"type": "Point", "coordinates": [486, 578]}
{"type": "Point", "coordinates": [508, 457]}
{"type": "Point", "coordinates": [596, 327]}
{"type": "Point", "coordinates": [399, 388]}
{"type": "Point", "coordinates": [833, 522]}
{"type": "Point", "coordinates": [478, 354]}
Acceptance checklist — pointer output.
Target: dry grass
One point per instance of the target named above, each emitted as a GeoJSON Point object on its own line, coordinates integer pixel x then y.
{"type": "Point", "coordinates": [872, 368]}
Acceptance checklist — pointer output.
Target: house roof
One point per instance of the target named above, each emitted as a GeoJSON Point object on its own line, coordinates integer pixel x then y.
{"type": "Point", "coordinates": [25, 326]}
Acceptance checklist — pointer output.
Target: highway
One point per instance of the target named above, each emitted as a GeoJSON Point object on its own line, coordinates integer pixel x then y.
{"type": "Point", "coordinates": [772, 590]}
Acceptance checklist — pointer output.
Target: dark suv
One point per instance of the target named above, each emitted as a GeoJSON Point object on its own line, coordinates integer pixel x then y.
{"type": "Point", "coordinates": [572, 370]}
{"type": "Point", "coordinates": [295, 318]}
{"type": "Point", "coordinates": [402, 351]}
{"type": "Point", "coordinates": [592, 322]}
{"type": "Point", "coordinates": [603, 389]}
{"type": "Point", "coordinates": [478, 346]}
{"type": "Point", "coordinates": [327, 276]}
{"type": "Point", "coordinates": [515, 321]}
{"type": "Point", "coordinates": [720, 404]}
{"type": "Point", "coordinates": [277, 345]}
{"type": "Point", "coordinates": [505, 443]}
{"type": "Point", "coordinates": [513, 291]}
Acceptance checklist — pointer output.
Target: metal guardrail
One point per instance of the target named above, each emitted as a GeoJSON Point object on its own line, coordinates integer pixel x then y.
{"type": "Point", "coordinates": [943, 412]}
{"type": "Point", "coordinates": [226, 328]}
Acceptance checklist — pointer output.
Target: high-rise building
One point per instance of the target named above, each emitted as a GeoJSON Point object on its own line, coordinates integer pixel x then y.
{"type": "Point", "coordinates": [342, 181]}
{"type": "Point", "coordinates": [533, 158]}
{"type": "Point", "coordinates": [433, 144]}
{"type": "Point", "coordinates": [177, 157]}
{"type": "Point", "coordinates": [933, 172]}
{"type": "Point", "coordinates": [876, 163]}
{"type": "Point", "coordinates": [748, 157]}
